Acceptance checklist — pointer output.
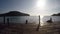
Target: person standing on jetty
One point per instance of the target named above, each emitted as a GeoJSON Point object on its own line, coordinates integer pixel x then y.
{"type": "Point", "coordinates": [8, 21]}
{"type": "Point", "coordinates": [26, 21]}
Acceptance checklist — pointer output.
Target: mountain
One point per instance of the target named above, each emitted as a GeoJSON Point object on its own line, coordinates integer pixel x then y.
{"type": "Point", "coordinates": [56, 14]}
{"type": "Point", "coordinates": [14, 13]}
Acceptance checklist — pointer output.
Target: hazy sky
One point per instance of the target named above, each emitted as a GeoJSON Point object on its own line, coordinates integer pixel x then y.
{"type": "Point", "coordinates": [32, 7]}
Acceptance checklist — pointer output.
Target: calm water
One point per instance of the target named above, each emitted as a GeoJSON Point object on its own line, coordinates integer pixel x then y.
{"type": "Point", "coordinates": [21, 19]}
{"type": "Point", "coordinates": [31, 19]}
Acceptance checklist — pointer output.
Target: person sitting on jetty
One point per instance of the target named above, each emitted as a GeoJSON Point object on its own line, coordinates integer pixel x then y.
{"type": "Point", "coordinates": [50, 20]}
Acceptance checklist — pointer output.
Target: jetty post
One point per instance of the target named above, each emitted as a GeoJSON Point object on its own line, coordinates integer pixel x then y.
{"type": "Point", "coordinates": [4, 19]}
{"type": "Point", "coordinates": [39, 20]}
{"type": "Point", "coordinates": [38, 24]}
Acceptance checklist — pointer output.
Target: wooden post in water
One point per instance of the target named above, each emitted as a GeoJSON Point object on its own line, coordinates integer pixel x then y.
{"type": "Point", "coordinates": [38, 24]}
{"type": "Point", "coordinates": [39, 20]}
{"type": "Point", "coordinates": [4, 19]}
{"type": "Point", "coordinates": [8, 21]}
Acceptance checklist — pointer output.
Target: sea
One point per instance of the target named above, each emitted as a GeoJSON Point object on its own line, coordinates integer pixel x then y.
{"type": "Point", "coordinates": [30, 19]}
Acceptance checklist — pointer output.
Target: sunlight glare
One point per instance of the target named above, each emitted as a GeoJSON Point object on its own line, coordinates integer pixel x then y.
{"type": "Point", "coordinates": [41, 3]}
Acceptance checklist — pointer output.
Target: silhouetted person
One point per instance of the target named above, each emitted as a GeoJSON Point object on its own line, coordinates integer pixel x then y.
{"type": "Point", "coordinates": [8, 21]}
{"type": "Point", "coordinates": [50, 20]}
{"type": "Point", "coordinates": [26, 21]}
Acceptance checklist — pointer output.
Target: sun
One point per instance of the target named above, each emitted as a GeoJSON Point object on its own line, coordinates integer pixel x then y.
{"type": "Point", "coordinates": [41, 3]}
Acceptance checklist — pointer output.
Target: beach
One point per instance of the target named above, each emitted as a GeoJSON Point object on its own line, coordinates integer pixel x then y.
{"type": "Point", "coordinates": [29, 29]}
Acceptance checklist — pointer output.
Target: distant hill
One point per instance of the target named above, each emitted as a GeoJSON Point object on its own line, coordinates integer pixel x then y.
{"type": "Point", "coordinates": [14, 13]}
{"type": "Point", "coordinates": [56, 14]}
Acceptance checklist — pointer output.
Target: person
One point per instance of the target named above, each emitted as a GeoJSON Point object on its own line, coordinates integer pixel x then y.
{"type": "Point", "coordinates": [8, 21]}
{"type": "Point", "coordinates": [50, 20]}
{"type": "Point", "coordinates": [26, 21]}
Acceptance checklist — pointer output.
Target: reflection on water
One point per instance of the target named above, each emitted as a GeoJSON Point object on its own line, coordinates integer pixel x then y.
{"type": "Point", "coordinates": [44, 23]}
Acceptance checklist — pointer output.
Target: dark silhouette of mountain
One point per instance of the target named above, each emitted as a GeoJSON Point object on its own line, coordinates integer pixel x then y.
{"type": "Point", "coordinates": [14, 13]}
{"type": "Point", "coordinates": [56, 14]}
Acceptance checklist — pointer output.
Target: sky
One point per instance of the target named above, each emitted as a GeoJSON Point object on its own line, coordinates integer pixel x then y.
{"type": "Point", "coordinates": [32, 7]}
